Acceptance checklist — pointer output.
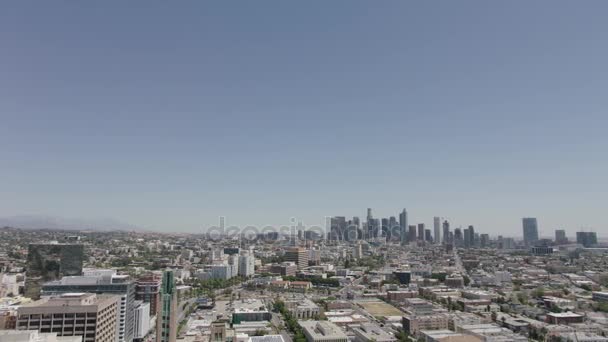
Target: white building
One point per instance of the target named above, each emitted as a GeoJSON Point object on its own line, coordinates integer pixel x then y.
{"type": "Point", "coordinates": [35, 336]}
{"type": "Point", "coordinates": [142, 319]}
{"type": "Point", "coordinates": [246, 266]}
{"type": "Point", "coordinates": [8, 285]}
{"type": "Point", "coordinates": [221, 272]}
{"type": "Point", "coordinates": [233, 261]}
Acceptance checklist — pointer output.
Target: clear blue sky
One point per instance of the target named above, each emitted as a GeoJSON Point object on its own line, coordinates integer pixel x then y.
{"type": "Point", "coordinates": [167, 115]}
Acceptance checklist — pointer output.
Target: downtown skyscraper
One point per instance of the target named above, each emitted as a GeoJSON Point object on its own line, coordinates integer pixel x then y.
{"type": "Point", "coordinates": [530, 227]}
{"type": "Point", "coordinates": [403, 226]}
{"type": "Point", "coordinates": [437, 229]}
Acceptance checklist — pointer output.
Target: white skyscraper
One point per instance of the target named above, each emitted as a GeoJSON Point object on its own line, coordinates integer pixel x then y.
{"type": "Point", "coordinates": [246, 265]}
{"type": "Point", "coordinates": [437, 229]}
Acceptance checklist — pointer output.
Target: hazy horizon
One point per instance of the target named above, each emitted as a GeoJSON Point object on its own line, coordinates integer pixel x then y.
{"type": "Point", "coordinates": [168, 117]}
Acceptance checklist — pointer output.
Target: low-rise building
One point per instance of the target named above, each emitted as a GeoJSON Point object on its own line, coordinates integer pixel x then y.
{"type": "Point", "coordinates": [322, 331]}
{"type": "Point", "coordinates": [412, 324]}
{"type": "Point", "coordinates": [564, 318]}
{"type": "Point", "coordinates": [250, 310]}
{"type": "Point", "coordinates": [491, 332]}
{"type": "Point", "coordinates": [302, 308]}
{"type": "Point", "coordinates": [368, 332]}
{"type": "Point", "coordinates": [35, 336]}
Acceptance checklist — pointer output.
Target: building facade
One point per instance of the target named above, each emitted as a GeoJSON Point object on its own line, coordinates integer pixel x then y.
{"type": "Point", "coordinates": [530, 226]}
{"type": "Point", "coordinates": [47, 262]}
{"type": "Point", "coordinates": [101, 282]}
{"type": "Point", "coordinates": [75, 314]}
{"type": "Point", "coordinates": [166, 319]}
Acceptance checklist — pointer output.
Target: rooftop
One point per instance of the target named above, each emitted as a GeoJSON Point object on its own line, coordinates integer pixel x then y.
{"type": "Point", "coordinates": [322, 329]}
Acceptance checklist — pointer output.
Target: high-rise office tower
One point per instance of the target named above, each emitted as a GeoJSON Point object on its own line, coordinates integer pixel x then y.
{"type": "Point", "coordinates": [484, 240]}
{"type": "Point", "coordinates": [472, 237]}
{"type": "Point", "coordinates": [375, 228]}
{"type": "Point", "coordinates": [403, 226]}
{"type": "Point", "coordinates": [384, 231]}
{"type": "Point", "coordinates": [467, 238]}
{"type": "Point", "coordinates": [338, 227]}
{"type": "Point", "coordinates": [369, 229]}
{"type": "Point", "coordinates": [91, 316]}
{"type": "Point", "coordinates": [427, 236]}
{"type": "Point", "coordinates": [393, 228]}
{"type": "Point", "coordinates": [530, 226]}
{"type": "Point", "coordinates": [166, 320]}
{"type": "Point", "coordinates": [412, 233]}
{"type": "Point", "coordinates": [587, 239]}
{"type": "Point", "coordinates": [446, 232]}
{"type": "Point", "coordinates": [437, 229]}
{"type": "Point", "coordinates": [297, 255]}
{"type": "Point", "coordinates": [458, 239]}
{"type": "Point", "coordinates": [421, 231]}
{"type": "Point", "coordinates": [47, 262]}
{"type": "Point", "coordinates": [354, 232]}
{"type": "Point", "coordinates": [101, 281]}
{"type": "Point", "coordinates": [560, 236]}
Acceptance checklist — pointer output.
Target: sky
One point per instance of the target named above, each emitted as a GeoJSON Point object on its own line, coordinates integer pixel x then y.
{"type": "Point", "coordinates": [169, 115]}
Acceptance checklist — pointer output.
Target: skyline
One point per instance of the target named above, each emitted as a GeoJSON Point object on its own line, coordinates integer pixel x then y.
{"type": "Point", "coordinates": [289, 227]}
{"type": "Point", "coordinates": [480, 113]}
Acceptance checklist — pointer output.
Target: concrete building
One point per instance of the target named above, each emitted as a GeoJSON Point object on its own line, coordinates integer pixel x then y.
{"type": "Point", "coordinates": [297, 255]}
{"type": "Point", "coordinates": [101, 281]}
{"type": "Point", "coordinates": [35, 336]}
{"type": "Point", "coordinates": [368, 332]}
{"type": "Point", "coordinates": [322, 331]}
{"type": "Point", "coordinates": [302, 308]}
{"type": "Point", "coordinates": [246, 266]}
{"type": "Point", "coordinates": [454, 281]}
{"type": "Point", "coordinates": [73, 314]}
{"type": "Point", "coordinates": [288, 269]}
{"type": "Point", "coordinates": [47, 262]}
{"type": "Point", "coordinates": [413, 324]}
{"type": "Point", "coordinates": [564, 318]}
{"type": "Point", "coordinates": [250, 310]}
{"type": "Point", "coordinates": [233, 270]}
{"type": "Point", "coordinates": [9, 284]}
{"type": "Point", "coordinates": [266, 338]}
{"type": "Point", "coordinates": [222, 271]}
{"type": "Point", "coordinates": [446, 336]}
{"type": "Point", "coordinates": [147, 289]}
{"type": "Point", "coordinates": [400, 295]}
{"type": "Point", "coordinates": [419, 306]}
{"type": "Point", "coordinates": [491, 332]}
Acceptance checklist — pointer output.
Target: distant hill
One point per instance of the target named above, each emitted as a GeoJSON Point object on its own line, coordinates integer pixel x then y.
{"type": "Point", "coordinates": [52, 222]}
